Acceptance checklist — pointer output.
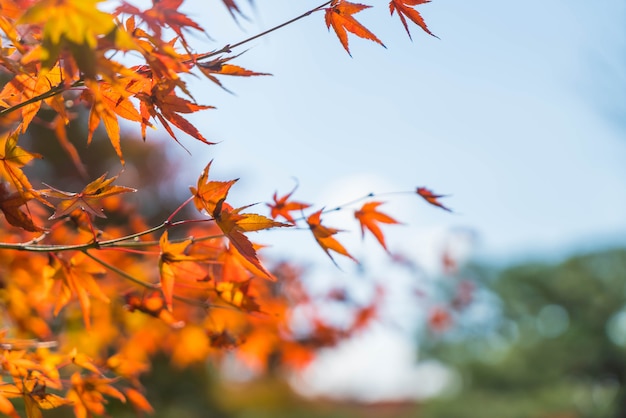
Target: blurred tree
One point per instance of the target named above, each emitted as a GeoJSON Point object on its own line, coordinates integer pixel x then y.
{"type": "Point", "coordinates": [557, 348]}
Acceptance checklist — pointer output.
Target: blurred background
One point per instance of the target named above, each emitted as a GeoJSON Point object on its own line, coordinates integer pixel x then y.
{"type": "Point", "coordinates": [514, 305]}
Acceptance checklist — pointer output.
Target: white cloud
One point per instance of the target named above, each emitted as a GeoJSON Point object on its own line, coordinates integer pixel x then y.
{"type": "Point", "coordinates": [377, 365]}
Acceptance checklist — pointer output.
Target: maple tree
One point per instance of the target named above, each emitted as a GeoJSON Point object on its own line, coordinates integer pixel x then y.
{"type": "Point", "coordinates": [91, 288]}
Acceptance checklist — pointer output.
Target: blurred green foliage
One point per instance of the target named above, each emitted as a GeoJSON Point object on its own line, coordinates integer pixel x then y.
{"type": "Point", "coordinates": [558, 349]}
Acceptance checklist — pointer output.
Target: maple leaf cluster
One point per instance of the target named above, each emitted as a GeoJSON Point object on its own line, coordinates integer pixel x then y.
{"type": "Point", "coordinates": [89, 302]}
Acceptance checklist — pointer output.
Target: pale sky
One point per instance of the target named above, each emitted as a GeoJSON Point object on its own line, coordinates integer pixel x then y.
{"type": "Point", "coordinates": [518, 112]}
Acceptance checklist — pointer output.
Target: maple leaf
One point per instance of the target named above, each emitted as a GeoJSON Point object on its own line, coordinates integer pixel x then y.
{"type": "Point", "coordinates": [324, 236]}
{"type": "Point", "coordinates": [282, 206]}
{"type": "Point", "coordinates": [233, 9]}
{"type": "Point", "coordinates": [405, 9]}
{"type": "Point", "coordinates": [220, 66]}
{"type": "Point", "coordinates": [138, 401]}
{"type": "Point", "coordinates": [431, 197]}
{"type": "Point", "coordinates": [75, 277]}
{"type": "Point", "coordinates": [339, 16]}
{"type": "Point", "coordinates": [163, 104]}
{"type": "Point", "coordinates": [78, 21]}
{"type": "Point", "coordinates": [234, 267]}
{"type": "Point", "coordinates": [369, 218]}
{"type": "Point", "coordinates": [88, 199]}
{"type": "Point", "coordinates": [237, 294]}
{"type": "Point", "coordinates": [154, 305]}
{"type": "Point", "coordinates": [12, 159]}
{"type": "Point", "coordinates": [208, 192]}
{"type": "Point", "coordinates": [107, 101]}
{"type": "Point", "coordinates": [172, 252]}
{"type": "Point", "coordinates": [78, 24]}
{"type": "Point", "coordinates": [233, 224]}
{"type": "Point", "coordinates": [36, 398]}
{"type": "Point", "coordinates": [10, 204]}
{"type": "Point", "coordinates": [210, 196]}
{"type": "Point", "coordinates": [162, 14]}
{"type": "Point", "coordinates": [82, 360]}
{"type": "Point", "coordinates": [58, 125]}
{"type": "Point", "coordinates": [6, 407]}
{"type": "Point", "coordinates": [87, 394]}
{"type": "Point", "coordinates": [24, 87]}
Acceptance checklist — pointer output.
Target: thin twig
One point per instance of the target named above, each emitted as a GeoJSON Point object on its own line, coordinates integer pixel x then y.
{"type": "Point", "coordinates": [122, 273]}
{"type": "Point", "coordinates": [228, 48]}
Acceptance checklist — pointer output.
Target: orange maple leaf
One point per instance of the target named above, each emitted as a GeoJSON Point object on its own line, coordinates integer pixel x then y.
{"type": "Point", "coordinates": [75, 277]}
{"type": "Point", "coordinates": [405, 9]}
{"type": "Point", "coordinates": [107, 102]}
{"type": "Point", "coordinates": [210, 196]}
{"type": "Point", "coordinates": [153, 304]}
{"type": "Point", "coordinates": [88, 199]}
{"type": "Point", "coordinates": [36, 398]}
{"type": "Point", "coordinates": [76, 21]}
{"type": "Point", "coordinates": [171, 253]}
{"type": "Point", "coordinates": [431, 197]}
{"type": "Point", "coordinates": [162, 14]}
{"type": "Point", "coordinates": [87, 394]}
{"type": "Point", "coordinates": [84, 361]}
{"type": "Point", "coordinates": [237, 294]}
{"type": "Point", "coordinates": [220, 66]}
{"type": "Point", "coordinates": [339, 16]}
{"type": "Point", "coordinates": [10, 204]}
{"type": "Point", "coordinates": [234, 267]}
{"type": "Point", "coordinates": [138, 401]}
{"type": "Point", "coordinates": [282, 206]}
{"type": "Point", "coordinates": [6, 407]}
{"type": "Point", "coordinates": [58, 126]}
{"type": "Point", "coordinates": [12, 159]}
{"type": "Point", "coordinates": [24, 87]}
{"type": "Point", "coordinates": [369, 218]}
{"type": "Point", "coordinates": [208, 192]}
{"type": "Point", "coordinates": [233, 224]}
{"type": "Point", "coordinates": [324, 236]}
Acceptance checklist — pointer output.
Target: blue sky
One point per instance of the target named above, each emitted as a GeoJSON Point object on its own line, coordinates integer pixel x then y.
{"type": "Point", "coordinates": [518, 112]}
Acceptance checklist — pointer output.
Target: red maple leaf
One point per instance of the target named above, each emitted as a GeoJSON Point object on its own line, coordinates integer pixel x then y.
{"type": "Point", "coordinates": [431, 197]}
{"type": "Point", "coordinates": [405, 9]}
{"type": "Point", "coordinates": [282, 206]}
{"type": "Point", "coordinates": [339, 16]}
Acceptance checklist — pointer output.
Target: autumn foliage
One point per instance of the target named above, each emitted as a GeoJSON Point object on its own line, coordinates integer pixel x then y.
{"type": "Point", "coordinates": [87, 302]}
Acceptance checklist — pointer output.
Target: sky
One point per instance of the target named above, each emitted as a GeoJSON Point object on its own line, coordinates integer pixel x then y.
{"type": "Point", "coordinates": [518, 112]}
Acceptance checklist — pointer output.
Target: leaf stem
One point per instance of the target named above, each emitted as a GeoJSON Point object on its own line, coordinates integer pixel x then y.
{"type": "Point", "coordinates": [365, 197]}
{"type": "Point", "coordinates": [112, 242]}
{"type": "Point", "coordinates": [178, 209]}
{"type": "Point", "coordinates": [43, 96]}
{"type": "Point", "coordinates": [370, 195]}
{"type": "Point", "coordinates": [229, 47]}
